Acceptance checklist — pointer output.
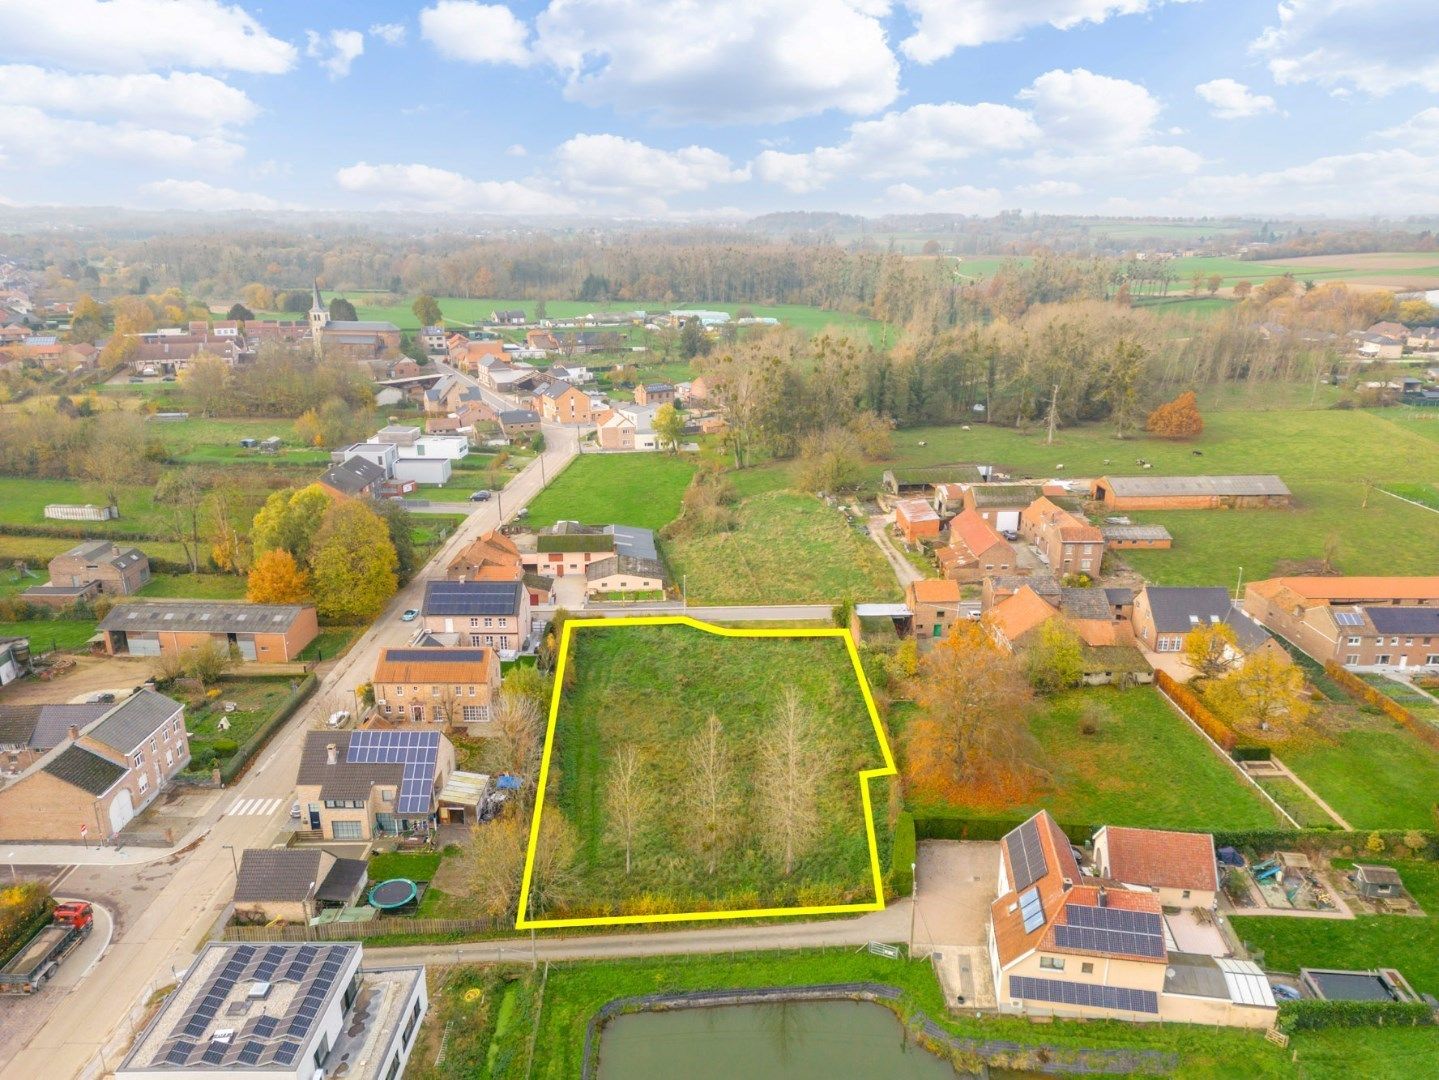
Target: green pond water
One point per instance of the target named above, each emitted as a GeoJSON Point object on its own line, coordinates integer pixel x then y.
{"type": "Point", "coordinates": [810, 1040]}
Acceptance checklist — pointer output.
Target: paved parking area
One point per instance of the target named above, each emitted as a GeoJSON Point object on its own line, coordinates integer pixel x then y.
{"type": "Point", "coordinates": [955, 883]}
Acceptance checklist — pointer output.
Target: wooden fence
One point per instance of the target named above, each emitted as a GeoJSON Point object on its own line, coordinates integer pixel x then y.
{"type": "Point", "coordinates": [350, 931]}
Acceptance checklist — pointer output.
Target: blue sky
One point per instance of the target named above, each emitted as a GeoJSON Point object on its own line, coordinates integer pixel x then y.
{"type": "Point", "coordinates": [686, 108]}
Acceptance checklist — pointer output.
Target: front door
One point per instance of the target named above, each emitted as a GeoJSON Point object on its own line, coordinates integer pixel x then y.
{"type": "Point", "coordinates": [417, 713]}
{"type": "Point", "coordinates": [315, 816]}
{"type": "Point", "coordinates": [1403, 660]}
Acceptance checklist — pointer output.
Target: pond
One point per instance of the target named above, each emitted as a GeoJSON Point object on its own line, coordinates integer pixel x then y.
{"type": "Point", "coordinates": [807, 1040]}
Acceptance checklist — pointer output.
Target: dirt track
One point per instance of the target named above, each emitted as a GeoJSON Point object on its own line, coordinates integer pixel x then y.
{"type": "Point", "coordinates": [90, 675]}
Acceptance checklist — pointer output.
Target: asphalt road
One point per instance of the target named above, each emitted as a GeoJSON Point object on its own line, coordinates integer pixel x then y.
{"type": "Point", "coordinates": [167, 932]}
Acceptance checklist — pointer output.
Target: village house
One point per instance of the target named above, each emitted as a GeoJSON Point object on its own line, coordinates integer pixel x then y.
{"type": "Point", "coordinates": [1066, 542]}
{"type": "Point", "coordinates": [1355, 621]}
{"type": "Point", "coordinates": [567, 547]}
{"type": "Point", "coordinates": [494, 557]}
{"type": "Point", "coordinates": [934, 608]}
{"type": "Point", "coordinates": [1257, 492]}
{"type": "Point", "coordinates": [432, 339]}
{"type": "Point", "coordinates": [273, 633]}
{"type": "Point", "coordinates": [1107, 650]}
{"type": "Point", "coordinates": [493, 614]}
{"type": "Point", "coordinates": [291, 884]}
{"type": "Point", "coordinates": [627, 427]}
{"type": "Point", "coordinates": [444, 396]}
{"type": "Point", "coordinates": [440, 687]}
{"type": "Point", "coordinates": [916, 520]}
{"type": "Point", "coordinates": [1002, 586]}
{"type": "Point", "coordinates": [1001, 504]}
{"type": "Point", "coordinates": [975, 550]}
{"type": "Point", "coordinates": [1180, 868]}
{"type": "Point", "coordinates": [1165, 616]}
{"type": "Point", "coordinates": [358, 785]}
{"type": "Point", "coordinates": [353, 478]}
{"type": "Point", "coordinates": [29, 732]}
{"type": "Point", "coordinates": [475, 357]}
{"type": "Point", "coordinates": [99, 776]}
{"type": "Point", "coordinates": [90, 569]}
{"type": "Point", "coordinates": [1065, 945]}
{"type": "Point", "coordinates": [562, 403]}
{"type": "Point", "coordinates": [543, 340]}
{"type": "Point", "coordinates": [507, 317]}
{"type": "Point", "coordinates": [620, 574]}
{"type": "Point", "coordinates": [655, 393]}
{"type": "Point", "coordinates": [518, 422]}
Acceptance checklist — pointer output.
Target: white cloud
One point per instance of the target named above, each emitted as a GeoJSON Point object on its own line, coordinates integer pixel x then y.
{"type": "Point", "coordinates": [335, 51]}
{"type": "Point", "coordinates": [1087, 111]}
{"type": "Point", "coordinates": [611, 165]}
{"type": "Point", "coordinates": [1050, 189]}
{"type": "Point", "coordinates": [1422, 128]}
{"type": "Point", "coordinates": [1373, 45]}
{"type": "Point", "coordinates": [425, 187]}
{"type": "Point", "coordinates": [903, 142]}
{"type": "Point", "coordinates": [752, 60]}
{"type": "Point", "coordinates": [478, 33]}
{"type": "Point", "coordinates": [1129, 161]}
{"type": "Point", "coordinates": [68, 140]}
{"type": "Point", "coordinates": [1400, 181]}
{"type": "Point", "coordinates": [139, 35]}
{"type": "Point", "coordinates": [183, 100]}
{"type": "Point", "coordinates": [389, 33]}
{"type": "Point", "coordinates": [198, 195]}
{"type": "Point", "coordinates": [962, 199]}
{"type": "Point", "coordinates": [1233, 100]}
{"type": "Point", "coordinates": [515, 150]}
{"type": "Point", "coordinates": [941, 26]}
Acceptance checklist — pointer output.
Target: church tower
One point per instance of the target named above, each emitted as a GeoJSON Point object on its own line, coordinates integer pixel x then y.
{"type": "Point", "coordinates": [319, 319]}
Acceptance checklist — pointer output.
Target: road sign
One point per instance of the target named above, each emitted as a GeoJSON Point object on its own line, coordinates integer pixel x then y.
{"type": "Point", "coordinates": [84, 829]}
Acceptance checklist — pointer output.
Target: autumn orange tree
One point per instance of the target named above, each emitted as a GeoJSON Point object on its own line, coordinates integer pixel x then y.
{"type": "Point", "coordinates": [1211, 650]}
{"type": "Point", "coordinates": [972, 739]}
{"type": "Point", "coordinates": [1265, 693]}
{"type": "Point", "coordinates": [1177, 419]}
{"type": "Point", "coordinates": [277, 579]}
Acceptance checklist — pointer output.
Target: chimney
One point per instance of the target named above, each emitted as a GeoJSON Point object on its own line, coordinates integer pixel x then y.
{"type": "Point", "coordinates": [330, 754]}
{"type": "Point", "coordinates": [74, 732]}
{"type": "Point", "coordinates": [1103, 899]}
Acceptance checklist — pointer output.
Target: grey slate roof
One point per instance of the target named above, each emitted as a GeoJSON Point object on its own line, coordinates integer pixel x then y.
{"type": "Point", "coordinates": [1178, 610]}
{"type": "Point", "coordinates": [212, 616]}
{"type": "Point", "coordinates": [1135, 532]}
{"type": "Point", "coordinates": [1120, 596]}
{"type": "Point", "coordinates": [344, 779]}
{"type": "Point", "coordinates": [1044, 584]}
{"type": "Point", "coordinates": [472, 598]}
{"type": "Point", "coordinates": [1142, 486]}
{"type": "Point", "coordinates": [96, 550]}
{"type": "Point", "coordinates": [42, 727]}
{"type": "Point", "coordinates": [1404, 620]}
{"type": "Point", "coordinates": [133, 720]}
{"type": "Point", "coordinates": [518, 416]}
{"type": "Point", "coordinates": [276, 874]}
{"type": "Point", "coordinates": [625, 564]}
{"type": "Point", "coordinates": [353, 475]}
{"type": "Point", "coordinates": [85, 770]}
{"type": "Point", "coordinates": [1085, 604]}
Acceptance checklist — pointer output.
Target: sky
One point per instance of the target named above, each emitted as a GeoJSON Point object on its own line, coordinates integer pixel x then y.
{"type": "Point", "coordinates": [722, 109]}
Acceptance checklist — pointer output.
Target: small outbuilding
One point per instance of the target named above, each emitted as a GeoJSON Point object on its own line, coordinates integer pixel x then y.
{"type": "Point", "coordinates": [1378, 882]}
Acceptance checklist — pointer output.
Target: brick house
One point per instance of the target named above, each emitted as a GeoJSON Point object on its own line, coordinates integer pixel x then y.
{"type": "Point", "coordinates": [567, 547]}
{"type": "Point", "coordinates": [289, 883]}
{"type": "Point", "coordinates": [916, 520]}
{"type": "Point", "coordinates": [487, 553]}
{"type": "Point", "coordinates": [1356, 636]}
{"type": "Point", "coordinates": [657, 393]}
{"type": "Point", "coordinates": [89, 569]}
{"type": "Point", "coordinates": [627, 427]}
{"type": "Point", "coordinates": [29, 732]}
{"type": "Point", "coordinates": [100, 775]}
{"type": "Point", "coordinates": [1164, 617]}
{"type": "Point", "coordinates": [975, 550]}
{"type": "Point", "coordinates": [1180, 868]}
{"type": "Point", "coordinates": [273, 633]}
{"type": "Point", "coordinates": [1253, 492]}
{"type": "Point", "coordinates": [492, 614]}
{"type": "Point", "coordinates": [541, 339]}
{"type": "Point", "coordinates": [625, 574]}
{"type": "Point", "coordinates": [518, 422]}
{"type": "Point", "coordinates": [1069, 544]}
{"type": "Point", "coordinates": [357, 785]}
{"type": "Point", "coordinates": [1000, 504]}
{"type": "Point", "coordinates": [934, 607]}
{"type": "Point", "coordinates": [437, 687]}
{"type": "Point", "coordinates": [562, 403]}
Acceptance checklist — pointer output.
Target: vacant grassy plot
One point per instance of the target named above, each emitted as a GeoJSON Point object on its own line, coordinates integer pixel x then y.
{"type": "Point", "coordinates": [47, 634]}
{"type": "Point", "coordinates": [255, 698]}
{"type": "Point", "coordinates": [195, 587]}
{"type": "Point", "coordinates": [788, 549]}
{"type": "Point", "coordinates": [1145, 767]}
{"type": "Point", "coordinates": [330, 642]}
{"type": "Point", "coordinates": [23, 501]}
{"type": "Point", "coordinates": [1408, 943]}
{"type": "Point", "coordinates": [643, 490]}
{"type": "Point", "coordinates": [1185, 305]}
{"type": "Point", "coordinates": [653, 688]}
{"type": "Point", "coordinates": [1322, 455]}
{"type": "Point", "coordinates": [1371, 770]}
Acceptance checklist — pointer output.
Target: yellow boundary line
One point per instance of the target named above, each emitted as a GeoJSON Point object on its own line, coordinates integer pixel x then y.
{"type": "Point", "coordinates": [865, 775]}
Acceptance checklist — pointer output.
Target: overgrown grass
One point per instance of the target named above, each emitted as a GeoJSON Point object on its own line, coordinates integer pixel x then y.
{"type": "Point", "coordinates": [1374, 772]}
{"type": "Point", "coordinates": [1405, 942]}
{"type": "Point", "coordinates": [1144, 766]}
{"type": "Point", "coordinates": [47, 634]}
{"type": "Point", "coordinates": [1301, 807]}
{"type": "Point", "coordinates": [1421, 705]}
{"type": "Point", "coordinates": [642, 490]}
{"type": "Point", "coordinates": [195, 587]}
{"type": "Point", "coordinates": [330, 642]}
{"type": "Point", "coordinates": [788, 548]}
{"type": "Point", "coordinates": [255, 698]}
{"type": "Point", "coordinates": [654, 688]}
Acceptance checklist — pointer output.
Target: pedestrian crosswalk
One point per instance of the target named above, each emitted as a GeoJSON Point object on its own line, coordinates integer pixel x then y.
{"type": "Point", "coordinates": [253, 807]}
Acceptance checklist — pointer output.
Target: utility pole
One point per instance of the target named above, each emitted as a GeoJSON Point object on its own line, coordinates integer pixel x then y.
{"type": "Point", "coordinates": [1053, 412]}
{"type": "Point", "coordinates": [913, 904]}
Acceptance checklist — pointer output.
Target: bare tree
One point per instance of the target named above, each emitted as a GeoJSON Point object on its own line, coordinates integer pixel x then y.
{"type": "Point", "coordinates": [711, 794]}
{"type": "Point", "coordinates": [496, 860]}
{"type": "Point", "coordinates": [791, 773]}
{"type": "Point", "coordinates": [514, 748]}
{"type": "Point", "coordinates": [630, 798]}
{"type": "Point", "coordinates": [182, 492]}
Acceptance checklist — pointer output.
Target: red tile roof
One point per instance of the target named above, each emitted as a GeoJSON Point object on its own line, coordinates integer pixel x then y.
{"type": "Point", "coordinates": [1160, 859]}
{"type": "Point", "coordinates": [975, 534]}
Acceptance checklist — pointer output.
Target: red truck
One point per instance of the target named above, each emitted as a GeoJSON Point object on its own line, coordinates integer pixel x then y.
{"type": "Point", "coordinates": [33, 965]}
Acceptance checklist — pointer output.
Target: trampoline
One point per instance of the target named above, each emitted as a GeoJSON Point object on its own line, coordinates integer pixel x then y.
{"type": "Point", "coordinates": [394, 893]}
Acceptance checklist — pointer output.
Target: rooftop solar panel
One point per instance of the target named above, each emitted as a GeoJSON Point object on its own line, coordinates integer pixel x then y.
{"type": "Point", "coordinates": [1349, 618]}
{"type": "Point", "coordinates": [1108, 918]}
{"type": "Point", "coordinates": [1026, 855]}
{"type": "Point", "coordinates": [250, 1053]}
{"type": "Point", "coordinates": [1118, 998]}
{"type": "Point", "coordinates": [1108, 941]}
{"type": "Point", "coordinates": [286, 1053]}
{"type": "Point", "coordinates": [1031, 910]}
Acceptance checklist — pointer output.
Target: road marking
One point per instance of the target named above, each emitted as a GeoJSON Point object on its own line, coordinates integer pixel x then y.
{"type": "Point", "coordinates": [260, 807]}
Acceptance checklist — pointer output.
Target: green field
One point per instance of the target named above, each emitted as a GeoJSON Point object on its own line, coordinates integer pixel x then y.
{"type": "Point", "coordinates": [1374, 772]}
{"type": "Point", "coordinates": [653, 688]}
{"type": "Point", "coordinates": [642, 490]}
{"type": "Point", "coordinates": [1368, 941]}
{"type": "Point", "coordinates": [788, 548]}
{"type": "Point", "coordinates": [195, 587]}
{"type": "Point", "coordinates": [1144, 767]}
{"type": "Point", "coordinates": [47, 634]}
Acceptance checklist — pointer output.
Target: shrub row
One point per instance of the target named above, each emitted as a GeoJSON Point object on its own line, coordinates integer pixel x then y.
{"type": "Point", "coordinates": [1197, 711]}
{"type": "Point", "coordinates": [1376, 697]}
{"type": "Point", "coordinates": [1251, 753]}
{"type": "Point", "coordinates": [1310, 1015]}
{"type": "Point", "coordinates": [232, 768]}
{"type": "Point", "coordinates": [902, 855]}
{"type": "Point", "coordinates": [957, 827]}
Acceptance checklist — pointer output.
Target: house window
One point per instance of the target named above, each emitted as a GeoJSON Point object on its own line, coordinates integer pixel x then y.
{"type": "Point", "coordinates": [1086, 968]}
{"type": "Point", "coordinates": [144, 783]}
{"type": "Point", "coordinates": [1185, 894]}
{"type": "Point", "coordinates": [1432, 658]}
{"type": "Point", "coordinates": [169, 759]}
{"type": "Point", "coordinates": [435, 690]}
{"type": "Point", "coordinates": [1354, 641]}
{"type": "Point", "coordinates": [399, 691]}
{"type": "Point", "coordinates": [1394, 641]}
{"type": "Point", "coordinates": [489, 622]}
{"type": "Point", "coordinates": [1084, 564]}
{"type": "Point", "coordinates": [1382, 658]}
{"type": "Point", "coordinates": [476, 714]}
{"type": "Point", "coordinates": [410, 1025]}
{"type": "Point", "coordinates": [347, 830]}
{"type": "Point", "coordinates": [1052, 963]}
{"type": "Point", "coordinates": [475, 639]}
{"type": "Point", "coordinates": [490, 639]}
{"type": "Point", "coordinates": [472, 689]}
{"type": "Point", "coordinates": [1407, 641]}
{"type": "Point", "coordinates": [1352, 658]}
{"type": "Point", "coordinates": [474, 623]}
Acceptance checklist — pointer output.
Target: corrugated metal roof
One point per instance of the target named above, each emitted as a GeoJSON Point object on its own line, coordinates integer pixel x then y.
{"type": "Point", "coordinates": [214, 616]}
{"type": "Point", "coordinates": [1161, 486]}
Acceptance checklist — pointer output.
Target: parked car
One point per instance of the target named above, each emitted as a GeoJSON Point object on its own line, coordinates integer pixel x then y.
{"type": "Point", "coordinates": [295, 811]}
{"type": "Point", "coordinates": [410, 615]}
{"type": "Point", "coordinates": [1009, 534]}
{"type": "Point", "coordinates": [104, 698]}
{"type": "Point", "coordinates": [480, 496]}
{"type": "Point", "coordinates": [339, 717]}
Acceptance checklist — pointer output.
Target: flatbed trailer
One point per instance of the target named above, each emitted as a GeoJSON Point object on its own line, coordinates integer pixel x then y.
{"type": "Point", "coordinates": [32, 966]}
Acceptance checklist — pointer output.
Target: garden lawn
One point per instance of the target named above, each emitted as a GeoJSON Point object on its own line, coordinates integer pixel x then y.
{"type": "Point", "coordinates": [23, 501]}
{"type": "Point", "coordinates": [1406, 942]}
{"type": "Point", "coordinates": [1145, 767]}
{"type": "Point", "coordinates": [788, 548]}
{"type": "Point", "coordinates": [415, 865]}
{"type": "Point", "coordinates": [643, 490]}
{"type": "Point", "coordinates": [256, 698]}
{"type": "Point", "coordinates": [194, 587]}
{"type": "Point", "coordinates": [47, 634]}
{"type": "Point", "coordinates": [1372, 770]}
{"type": "Point", "coordinates": [654, 688]}
{"type": "Point", "coordinates": [1301, 807]}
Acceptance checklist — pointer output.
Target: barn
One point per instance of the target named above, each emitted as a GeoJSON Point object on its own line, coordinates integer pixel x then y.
{"type": "Point", "coordinates": [1245, 492]}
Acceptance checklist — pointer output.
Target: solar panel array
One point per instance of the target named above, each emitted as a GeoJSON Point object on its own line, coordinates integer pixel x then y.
{"type": "Point", "coordinates": [1026, 856]}
{"type": "Point", "coordinates": [433, 656]}
{"type": "Point", "coordinates": [1111, 930]}
{"type": "Point", "coordinates": [1031, 910]}
{"type": "Point", "coordinates": [417, 751]}
{"type": "Point", "coordinates": [471, 598]}
{"type": "Point", "coordinates": [1118, 998]}
{"type": "Point", "coordinates": [265, 1040]}
{"type": "Point", "coordinates": [1349, 618]}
